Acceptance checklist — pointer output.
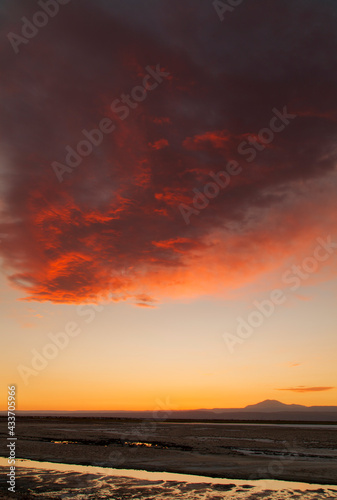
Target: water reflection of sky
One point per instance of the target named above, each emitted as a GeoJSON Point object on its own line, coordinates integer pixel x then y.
{"type": "Point", "coordinates": [259, 485]}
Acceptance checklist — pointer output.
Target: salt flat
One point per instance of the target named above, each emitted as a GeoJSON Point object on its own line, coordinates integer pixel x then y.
{"type": "Point", "coordinates": [232, 451]}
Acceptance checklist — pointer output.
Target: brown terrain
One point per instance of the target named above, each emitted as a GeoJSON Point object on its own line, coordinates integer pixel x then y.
{"type": "Point", "coordinates": [218, 450]}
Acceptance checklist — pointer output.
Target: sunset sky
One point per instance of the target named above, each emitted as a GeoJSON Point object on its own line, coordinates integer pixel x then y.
{"type": "Point", "coordinates": [135, 243]}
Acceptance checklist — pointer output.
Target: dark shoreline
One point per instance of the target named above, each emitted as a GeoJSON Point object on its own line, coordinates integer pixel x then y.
{"type": "Point", "coordinates": [3, 417]}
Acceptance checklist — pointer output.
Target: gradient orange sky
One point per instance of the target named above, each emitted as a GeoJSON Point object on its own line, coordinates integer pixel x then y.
{"type": "Point", "coordinates": [108, 249]}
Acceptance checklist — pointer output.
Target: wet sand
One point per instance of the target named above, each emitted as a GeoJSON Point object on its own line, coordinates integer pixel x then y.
{"type": "Point", "coordinates": [58, 481]}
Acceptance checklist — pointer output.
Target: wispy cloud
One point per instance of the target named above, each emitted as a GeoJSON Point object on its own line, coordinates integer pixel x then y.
{"type": "Point", "coordinates": [302, 388]}
{"type": "Point", "coordinates": [141, 304]}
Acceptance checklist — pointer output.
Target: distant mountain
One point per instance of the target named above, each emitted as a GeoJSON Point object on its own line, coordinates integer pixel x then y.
{"type": "Point", "coordinates": [269, 409]}
{"type": "Point", "coordinates": [273, 405]}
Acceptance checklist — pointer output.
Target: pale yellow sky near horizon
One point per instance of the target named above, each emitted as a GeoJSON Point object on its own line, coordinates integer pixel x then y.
{"type": "Point", "coordinates": [129, 358]}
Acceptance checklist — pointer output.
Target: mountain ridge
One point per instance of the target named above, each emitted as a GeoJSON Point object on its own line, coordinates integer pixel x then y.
{"type": "Point", "coordinates": [268, 409]}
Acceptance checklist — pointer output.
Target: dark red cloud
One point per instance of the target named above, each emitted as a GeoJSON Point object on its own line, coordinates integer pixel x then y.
{"type": "Point", "coordinates": [113, 227]}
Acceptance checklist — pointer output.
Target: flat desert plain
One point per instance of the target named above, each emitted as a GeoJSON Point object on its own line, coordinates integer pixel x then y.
{"type": "Point", "coordinates": [299, 453]}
